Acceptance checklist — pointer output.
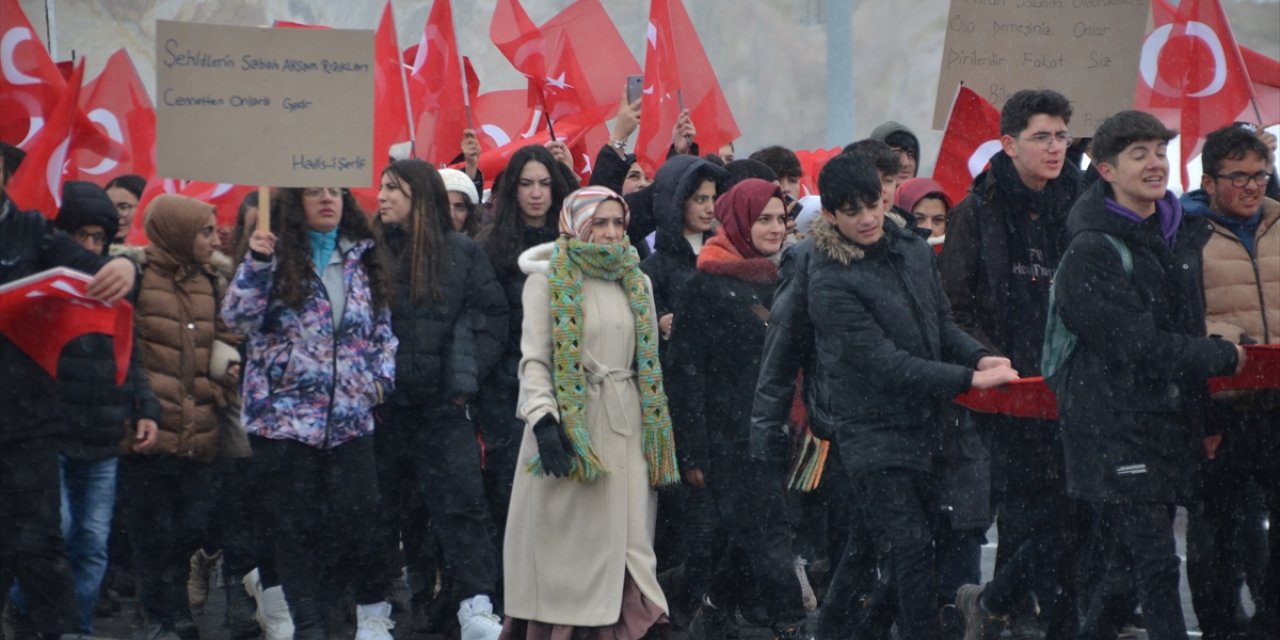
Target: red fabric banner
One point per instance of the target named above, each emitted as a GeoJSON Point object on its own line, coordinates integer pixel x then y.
{"type": "Point", "coordinates": [40, 314]}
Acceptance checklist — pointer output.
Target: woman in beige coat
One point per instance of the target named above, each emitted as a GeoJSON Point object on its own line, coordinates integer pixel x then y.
{"type": "Point", "coordinates": [578, 552]}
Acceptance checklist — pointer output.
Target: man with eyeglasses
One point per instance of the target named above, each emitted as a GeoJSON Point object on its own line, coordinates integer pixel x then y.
{"type": "Point", "coordinates": [1242, 304]}
{"type": "Point", "coordinates": [1004, 241]}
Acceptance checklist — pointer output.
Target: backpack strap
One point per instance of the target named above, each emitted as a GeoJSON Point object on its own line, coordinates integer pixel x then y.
{"type": "Point", "coordinates": [1126, 257]}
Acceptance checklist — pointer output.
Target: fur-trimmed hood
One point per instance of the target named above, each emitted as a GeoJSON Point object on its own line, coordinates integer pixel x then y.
{"type": "Point", "coordinates": [536, 259]}
{"type": "Point", "coordinates": [829, 240]}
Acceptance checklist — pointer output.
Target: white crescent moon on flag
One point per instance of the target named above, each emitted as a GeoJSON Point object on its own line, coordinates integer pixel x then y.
{"type": "Point", "coordinates": [499, 136]}
{"type": "Point", "coordinates": [109, 122]}
{"type": "Point", "coordinates": [1149, 63]}
{"type": "Point", "coordinates": [982, 155]}
{"type": "Point", "coordinates": [8, 44]}
{"type": "Point", "coordinates": [53, 170]}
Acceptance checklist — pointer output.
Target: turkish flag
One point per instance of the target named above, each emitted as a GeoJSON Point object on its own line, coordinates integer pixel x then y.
{"type": "Point", "coordinates": [972, 136]}
{"type": "Point", "coordinates": [1024, 398]}
{"type": "Point", "coordinates": [675, 64]}
{"type": "Point", "coordinates": [39, 181]}
{"type": "Point", "coordinates": [117, 102]}
{"type": "Point", "coordinates": [1264, 71]}
{"type": "Point", "coordinates": [493, 161]}
{"type": "Point", "coordinates": [1190, 62]}
{"type": "Point", "coordinates": [519, 39]}
{"type": "Point", "coordinates": [41, 313]}
{"type": "Point", "coordinates": [502, 116]}
{"type": "Point", "coordinates": [225, 198]}
{"type": "Point", "coordinates": [811, 163]}
{"type": "Point", "coordinates": [435, 89]}
{"type": "Point", "coordinates": [602, 58]}
{"type": "Point", "coordinates": [30, 83]}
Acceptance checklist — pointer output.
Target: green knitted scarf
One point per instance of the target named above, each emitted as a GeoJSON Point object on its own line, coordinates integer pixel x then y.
{"type": "Point", "coordinates": [571, 261]}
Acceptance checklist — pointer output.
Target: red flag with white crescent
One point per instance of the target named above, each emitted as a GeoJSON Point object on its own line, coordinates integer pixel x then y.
{"type": "Point", "coordinates": [972, 136]}
{"type": "Point", "coordinates": [117, 103]}
{"type": "Point", "coordinates": [41, 313]}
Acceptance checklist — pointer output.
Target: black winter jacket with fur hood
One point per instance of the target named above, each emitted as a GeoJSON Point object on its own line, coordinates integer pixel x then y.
{"type": "Point", "coordinates": [873, 332]}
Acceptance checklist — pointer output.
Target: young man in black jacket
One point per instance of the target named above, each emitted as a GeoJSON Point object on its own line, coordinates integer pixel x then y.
{"type": "Point", "coordinates": [1004, 241]}
{"type": "Point", "coordinates": [95, 411]}
{"type": "Point", "coordinates": [31, 545]}
{"type": "Point", "coordinates": [1132, 396]}
{"type": "Point", "coordinates": [859, 307]}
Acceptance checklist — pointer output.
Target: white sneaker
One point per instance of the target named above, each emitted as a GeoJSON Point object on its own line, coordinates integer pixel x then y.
{"type": "Point", "coordinates": [273, 612]}
{"type": "Point", "coordinates": [478, 622]}
{"type": "Point", "coordinates": [373, 621]}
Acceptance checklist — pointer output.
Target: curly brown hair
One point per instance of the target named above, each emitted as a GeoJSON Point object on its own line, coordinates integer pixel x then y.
{"type": "Point", "coordinates": [293, 251]}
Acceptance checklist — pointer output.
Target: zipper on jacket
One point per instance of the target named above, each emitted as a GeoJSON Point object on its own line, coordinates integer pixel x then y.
{"type": "Point", "coordinates": [1257, 281]}
{"type": "Point", "coordinates": [333, 381]}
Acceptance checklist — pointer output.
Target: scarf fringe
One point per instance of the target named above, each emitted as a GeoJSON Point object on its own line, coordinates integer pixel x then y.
{"type": "Point", "coordinates": [571, 260]}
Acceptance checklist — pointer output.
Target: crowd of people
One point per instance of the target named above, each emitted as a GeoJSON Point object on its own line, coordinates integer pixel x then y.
{"type": "Point", "coordinates": [675, 399]}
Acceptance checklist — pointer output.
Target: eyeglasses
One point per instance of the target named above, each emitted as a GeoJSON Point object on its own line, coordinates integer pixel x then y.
{"type": "Point", "coordinates": [1045, 140]}
{"type": "Point", "coordinates": [1239, 179]}
{"type": "Point", "coordinates": [124, 208]}
{"type": "Point", "coordinates": [316, 193]}
{"type": "Point", "coordinates": [97, 237]}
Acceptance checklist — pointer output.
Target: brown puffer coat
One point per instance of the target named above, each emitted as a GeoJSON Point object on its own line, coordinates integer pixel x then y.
{"type": "Point", "coordinates": [1242, 295]}
{"type": "Point", "coordinates": [175, 324]}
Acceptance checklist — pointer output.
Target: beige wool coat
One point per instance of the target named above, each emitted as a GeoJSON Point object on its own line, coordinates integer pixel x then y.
{"type": "Point", "coordinates": [569, 544]}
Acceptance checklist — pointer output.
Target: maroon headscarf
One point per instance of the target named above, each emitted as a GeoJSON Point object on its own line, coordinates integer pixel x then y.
{"type": "Point", "coordinates": [739, 208]}
{"type": "Point", "coordinates": [911, 192]}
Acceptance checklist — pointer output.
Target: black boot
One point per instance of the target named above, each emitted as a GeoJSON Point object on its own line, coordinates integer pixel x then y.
{"type": "Point", "coordinates": [308, 618]}
{"type": "Point", "coordinates": [239, 619]}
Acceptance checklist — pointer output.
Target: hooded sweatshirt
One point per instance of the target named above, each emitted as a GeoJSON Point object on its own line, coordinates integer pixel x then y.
{"type": "Point", "coordinates": [674, 259]}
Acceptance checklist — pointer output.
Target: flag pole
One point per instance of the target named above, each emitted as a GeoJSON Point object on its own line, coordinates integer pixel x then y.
{"type": "Point", "coordinates": [404, 84]}
{"type": "Point", "coordinates": [264, 209]}
{"type": "Point", "coordinates": [462, 68]}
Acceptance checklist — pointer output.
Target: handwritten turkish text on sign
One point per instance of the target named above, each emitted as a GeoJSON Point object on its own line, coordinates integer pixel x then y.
{"type": "Point", "coordinates": [1088, 50]}
{"type": "Point", "coordinates": [277, 107]}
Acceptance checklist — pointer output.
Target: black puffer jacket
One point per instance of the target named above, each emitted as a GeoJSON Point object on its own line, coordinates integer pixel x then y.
{"type": "Point", "coordinates": [496, 404]}
{"type": "Point", "coordinates": [97, 411]}
{"type": "Point", "coordinates": [1132, 397]}
{"type": "Point", "coordinates": [714, 359]}
{"type": "Point", "coordinates": [447, 346]}
{"type": "Point", "coordinates": [885, 353]}
{"type": "Point", "coordinates": [673, 261]}
{"type": "Point", "coordinates": [976, 264]}
{"type": "Point", "coordinates": [29, 244]}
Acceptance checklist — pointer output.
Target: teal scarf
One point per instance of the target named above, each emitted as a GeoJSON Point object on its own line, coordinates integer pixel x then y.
{"type": "Point", "coordinates": [571, 261]}
{"type": "Point", "coordinates": [323, 244]}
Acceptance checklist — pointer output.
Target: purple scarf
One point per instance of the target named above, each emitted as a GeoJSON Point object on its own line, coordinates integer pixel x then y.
{"type": "Point", "coordinates": [1167, 208]}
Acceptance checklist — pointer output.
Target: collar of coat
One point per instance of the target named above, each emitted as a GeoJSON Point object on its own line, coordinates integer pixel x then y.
{"type": "Point", "coordinates": [828, 239]}
{"type": "Point", "coordinates": [536, 259]}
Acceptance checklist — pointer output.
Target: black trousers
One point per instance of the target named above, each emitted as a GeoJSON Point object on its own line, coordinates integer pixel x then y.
{"type": "Point", "coordinates": [739, 542]}
{"type": "Point", "coordinates": [1225, 532]}
{"type": "Point", "coordinates": [168, 505]}
{"type": "Point", "coordinates": [31, 545]}
{"type": "Point", "coordinates": [1045, 563]}
{"type": "Point", "coordinates": [325, 503]}
{"type": "Point", "coordinates": [901, 510]}
{"type": "Point", "coordinates": [435, 450]}
{"type": "Point", "coordinates": [1141, 543]}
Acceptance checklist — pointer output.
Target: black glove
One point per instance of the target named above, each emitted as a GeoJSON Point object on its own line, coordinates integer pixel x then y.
{"type": "Point", "coordinates": [554, 447]}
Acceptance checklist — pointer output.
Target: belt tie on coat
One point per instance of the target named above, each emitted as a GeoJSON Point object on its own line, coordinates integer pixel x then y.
{"type": "Point", "coordinates": [615, 405]}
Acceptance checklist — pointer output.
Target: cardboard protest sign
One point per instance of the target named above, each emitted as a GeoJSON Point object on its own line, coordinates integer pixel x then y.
{"type": "Point", "coordinates": [257, 106]}
{"type": "Point", "coordinates": [1088, 50]}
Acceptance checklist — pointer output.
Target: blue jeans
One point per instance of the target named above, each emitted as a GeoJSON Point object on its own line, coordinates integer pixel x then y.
{"type": "Point", "coordinates": [88, 497]}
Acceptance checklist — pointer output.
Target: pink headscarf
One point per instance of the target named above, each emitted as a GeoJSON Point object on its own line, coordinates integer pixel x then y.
{"type": "Point", "coordinates": [580, 207]}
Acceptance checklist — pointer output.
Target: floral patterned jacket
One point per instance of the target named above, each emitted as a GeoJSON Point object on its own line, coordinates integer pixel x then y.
{"type": "Point", "coordinates": [301, 381]}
